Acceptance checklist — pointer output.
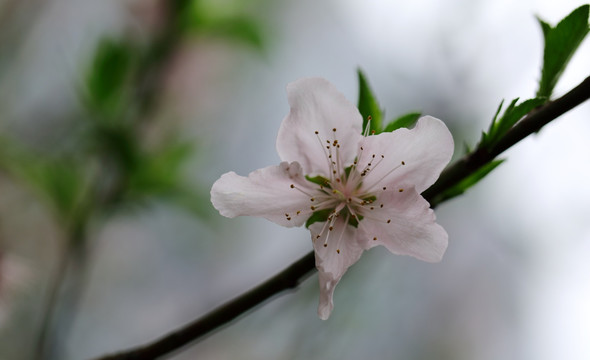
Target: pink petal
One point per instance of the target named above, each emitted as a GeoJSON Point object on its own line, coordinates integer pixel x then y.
{"type": "Point", "coordinates": [265, 192]}
{"type": "Point", "coordinates": [425, 150]}
{"type": "Point", "coordinates": [335, 252]}
{"type": "Point", "coordinates": [316, 105]}
{"type": "Point", "coordinates": [405, 225]}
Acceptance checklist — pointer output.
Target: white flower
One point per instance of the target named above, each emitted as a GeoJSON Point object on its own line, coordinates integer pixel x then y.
{"type": "Point", "coordinates": [354, 191]}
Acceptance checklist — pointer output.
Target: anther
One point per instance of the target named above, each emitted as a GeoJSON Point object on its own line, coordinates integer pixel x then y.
{"type": "Point", "coordinates": [331, 228]}
{"type": "Point", "coordinates": [334, 129]}
{"type": "Point", "coordinates": [403, 163]}
{"type": "Point", "coordinates": [381, 206]}
{"type": "Point", "coordinates": [401, 190]}
{"type": "Point", "coordinates": [317, 132]}
{"type": "Point", "coordinates": [312, 207]}
{"type": "Point", "coordinates": [374, 238]}
{"type": "Point", "coordinates": [325, 245]}
{"type": "Point", "coordinates": [338, 251]}
{"type": "Point", "coordinates": [388, 221]}
{"type": "Point", "coordinates": [384, 188]}
{"type": "Point", "coordinates": [292, 186]}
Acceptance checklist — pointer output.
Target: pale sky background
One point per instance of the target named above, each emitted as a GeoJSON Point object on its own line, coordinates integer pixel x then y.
{"type": "Point", "coordinates": [514, 283]}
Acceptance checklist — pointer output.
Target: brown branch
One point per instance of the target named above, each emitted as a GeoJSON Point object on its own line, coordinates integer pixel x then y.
{"type": "Point", "coordinates": [297, 272]}
{"type": "Point", "coordinates": [289, 278]}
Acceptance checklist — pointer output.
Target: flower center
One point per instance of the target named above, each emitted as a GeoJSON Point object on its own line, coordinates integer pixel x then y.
{"type": "Point", "coordinates": [344, 191]}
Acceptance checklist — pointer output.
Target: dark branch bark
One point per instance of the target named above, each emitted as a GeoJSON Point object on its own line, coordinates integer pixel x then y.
{"type": "Point", "coordinates": [289, 278]}
{"type": "Point", "coordinates": [297, 272]}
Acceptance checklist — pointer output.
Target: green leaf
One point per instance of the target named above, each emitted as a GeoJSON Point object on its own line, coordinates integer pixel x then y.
{"type": "Point", "coordinates": [561, 42]}
{"type": "Point", "coordinates": [223, 20]}
{"type": "Point", "coordinates": [318, 216]}
{"type": "Point", "coordinates": [319, 180]}
{"type": "Point", "coordinates": [468, 182]}
{"type": "Point", "coordinates": [368, 105]}
{"type": "Point", "coordinates": [404, 121]}
{"type": "Point", "coordinates": [159, 173]}
{"type": "Point", "coordinates": [512, 114]}
{"type": "Point", "coordinates": [61, 182]}
{"type": "Point", "coordinates": [108, 76]}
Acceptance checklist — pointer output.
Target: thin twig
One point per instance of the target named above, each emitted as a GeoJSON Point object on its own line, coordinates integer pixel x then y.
{"type": "Point", "coordinates": [287, 279]}
{"type": "Point", "coordinates": [294, 274]}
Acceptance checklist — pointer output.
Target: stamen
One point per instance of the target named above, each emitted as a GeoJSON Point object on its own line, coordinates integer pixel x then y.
{"type": "Point", "coordinates": [369, 188]}
{"type": "Point", "coordinates": [292, 186]}
{"type": "Point", "coordinates": [326, 153]}
{"type": "Point", "coordinates": [367, 127]}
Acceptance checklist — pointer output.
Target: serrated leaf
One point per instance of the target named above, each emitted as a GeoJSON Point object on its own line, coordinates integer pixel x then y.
{"type": "Point", "coordinates": [368, 105]}
{"type": "Point", "coordinates": [468, 182]}
{"type": "Point", "coordinates": [404, 121]}
{"type": "Point", "coordinates": [561, 42]}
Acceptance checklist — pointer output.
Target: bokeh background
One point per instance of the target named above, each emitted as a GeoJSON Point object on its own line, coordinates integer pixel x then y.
{"type": "Point", "coordinates": [514, 283]}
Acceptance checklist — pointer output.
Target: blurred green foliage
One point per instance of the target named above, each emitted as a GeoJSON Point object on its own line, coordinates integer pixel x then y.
{"type": "Point", "coordinates": [110, 165]}
{"type": "Point", "coordinates": [227, 19]}
{"type": "Point", "coordinates": [108, 77]}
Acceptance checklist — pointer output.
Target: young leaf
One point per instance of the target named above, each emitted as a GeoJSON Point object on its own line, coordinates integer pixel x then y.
{"type": "Point", "coordinates": [60, 182]}
{"type": "Point", "coordinates": [468, 182]}
{"type": "Point", "coordinates": [404, 121]}
{"type": "Point", "coordinates": [318, 216]}
{"type": "Point", "coordinates": [108, 75]}
{"type": "Point", "coordinates": [511, 116]}
{"type": "Point", "coordinates": [561, 43]}
{"type": "Point", "coordinates": [368, 105]}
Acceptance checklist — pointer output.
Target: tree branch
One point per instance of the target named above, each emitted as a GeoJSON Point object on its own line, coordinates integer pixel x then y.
{"type": "Point", "coordinates": [292, 276]}
{"type": "Point", "coordinates": [289, 278]}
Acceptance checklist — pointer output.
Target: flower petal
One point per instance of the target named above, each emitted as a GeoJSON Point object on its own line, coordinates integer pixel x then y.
{"type": "Point", "coordinates": [265, 192]}
{"type": "Point", "coordinates": [316, 105]}
{"type": "Point", "coordinates": [425, 150]}
{"type": "Point", "coordinates": [405, 225]}
{"type": "Point", "coordinates": [335, 251]}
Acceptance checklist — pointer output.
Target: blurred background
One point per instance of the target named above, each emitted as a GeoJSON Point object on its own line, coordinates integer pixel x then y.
{"type": "Point", "coordinates": [117, 116]}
